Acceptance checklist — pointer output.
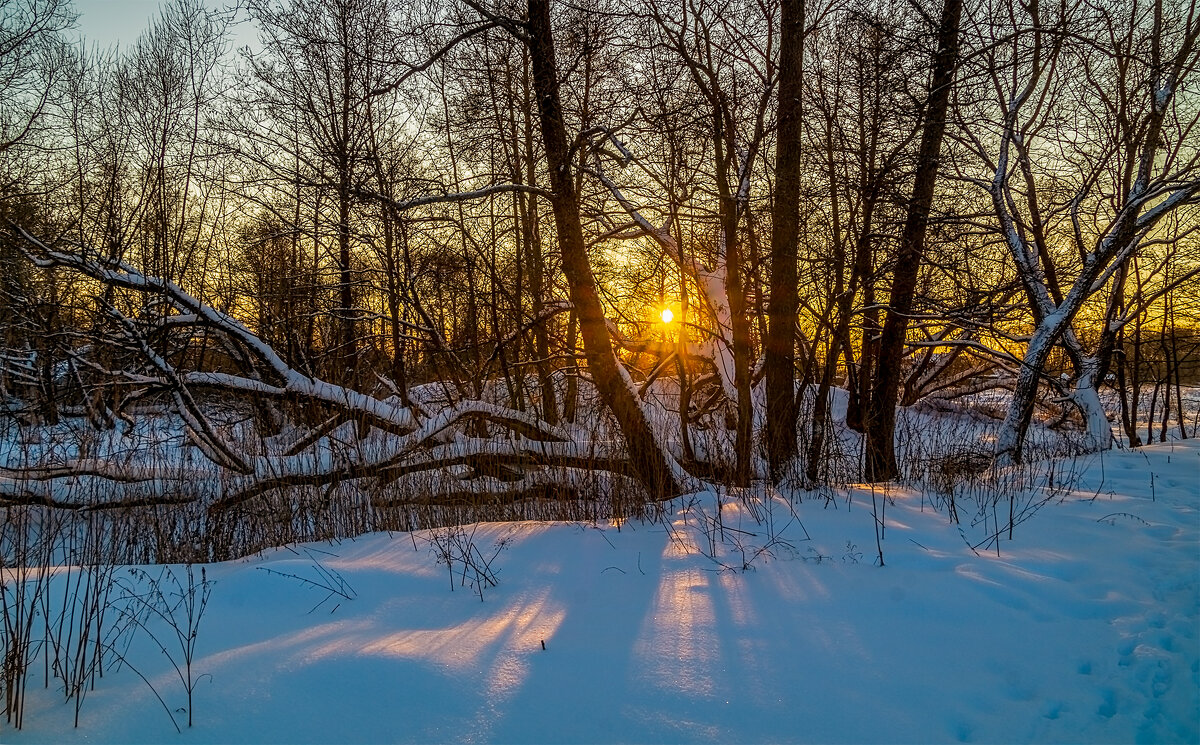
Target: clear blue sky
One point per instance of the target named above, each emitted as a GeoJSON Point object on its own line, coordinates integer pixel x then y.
{"type": "Point", "coordinates": [108, 22]}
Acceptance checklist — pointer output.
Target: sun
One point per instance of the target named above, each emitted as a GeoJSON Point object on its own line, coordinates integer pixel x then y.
{"type": "Point", "coordinates": [667, 316]}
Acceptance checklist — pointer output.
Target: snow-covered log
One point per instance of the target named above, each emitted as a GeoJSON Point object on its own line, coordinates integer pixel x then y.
{"type": "Point", "coordinates": [465, 446]}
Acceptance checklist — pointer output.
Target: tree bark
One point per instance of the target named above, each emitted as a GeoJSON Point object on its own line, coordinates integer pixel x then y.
{"type": "Point", "coordinates": [779, 358]}
{"type": "Point", "coordinates": [652, 464]}
{"type": "Point", "coordinates": [881, 409]}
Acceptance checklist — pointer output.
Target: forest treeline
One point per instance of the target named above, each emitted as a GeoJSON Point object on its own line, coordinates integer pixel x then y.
{"type": "Point", "coordinates": [436, 238]}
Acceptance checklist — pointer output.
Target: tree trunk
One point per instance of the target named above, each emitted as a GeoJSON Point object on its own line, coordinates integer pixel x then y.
{"type": "Point", "coordinates": [399, 372]}
{"type": "Point", "coordinates": [739, 323]}
{"type": "Point", "coordinates": [347, 352]}
{"type": "Point", "coordinates": [881, 410]}
{"type": "Point", "coordinates": [780, 361]}
{"type": "Point", "coordinates": [531, 232]}
{"type": "Point", "coordinates": [653, 466]}
{"type": "Point", "coordinates": [1011, 436]}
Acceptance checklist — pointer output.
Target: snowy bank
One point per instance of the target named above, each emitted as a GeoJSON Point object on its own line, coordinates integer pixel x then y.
{"type": "Point", "coordinates": [1083, 629]}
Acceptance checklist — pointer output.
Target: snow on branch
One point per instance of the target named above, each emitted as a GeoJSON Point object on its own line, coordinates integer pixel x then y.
{"type": "Point", "coordinates": [711, 282]}
{"type": "Point", "coordinates": [505, 446]}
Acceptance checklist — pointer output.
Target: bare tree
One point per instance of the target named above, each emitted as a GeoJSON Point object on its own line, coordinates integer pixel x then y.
{"type": "Point", "coordinates": [881, 411]}
{"type": "Point", "coordinates": [32, 52]}
{"type": "Point", "coordinates": [863, 127]}
{"type": "Point", "coordinates": [780, 344]}
{"type": "Point", "coordinates": [656, 468]}
{"type": "Point", "coordinates": [1110, 215]}
{"type": "Point", "coordinates": [319, 71]}
{"type": "Point", "coordinates": [444, 225]}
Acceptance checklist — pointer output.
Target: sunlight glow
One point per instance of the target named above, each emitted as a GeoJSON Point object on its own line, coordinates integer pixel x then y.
{"type": "Point", "coordinates": [667, 316]}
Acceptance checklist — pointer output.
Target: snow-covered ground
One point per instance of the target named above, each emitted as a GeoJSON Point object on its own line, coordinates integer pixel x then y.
{"type": "Point", "coordinates": [1084, 629]}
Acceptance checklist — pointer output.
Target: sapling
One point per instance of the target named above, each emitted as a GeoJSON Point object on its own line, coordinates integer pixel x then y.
{"type": "Point", "coordinates": [24, 586]}
{"type": "Point", "coordinates": [878, 520]}
{"type": "Point", "coordinates": [180, 609]}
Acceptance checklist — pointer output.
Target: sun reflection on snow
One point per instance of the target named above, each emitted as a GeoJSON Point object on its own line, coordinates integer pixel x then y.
{"type": "Point", "coordinates": [520, 626]}
{"type": "Point", "coordinates": [681, 541]}
{"type": "Point", "coordinates": [678, 638]}
{"type": "Point", "coordinates": [496, 643]}
{"type": "Point", "coordinates": [390, 560]}
{"type": "Point", "coordinates": [738, 605]}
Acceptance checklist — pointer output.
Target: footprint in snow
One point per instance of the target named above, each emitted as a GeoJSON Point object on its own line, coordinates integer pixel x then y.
{"type": "Point", "coordinates": [1052, 709]}
{"type": "Point", "coordinates": [1108, 708]}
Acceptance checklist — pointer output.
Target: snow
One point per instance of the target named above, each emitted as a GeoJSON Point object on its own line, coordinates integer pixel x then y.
{"type": "Point", "coordinates": [1081, 628]}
